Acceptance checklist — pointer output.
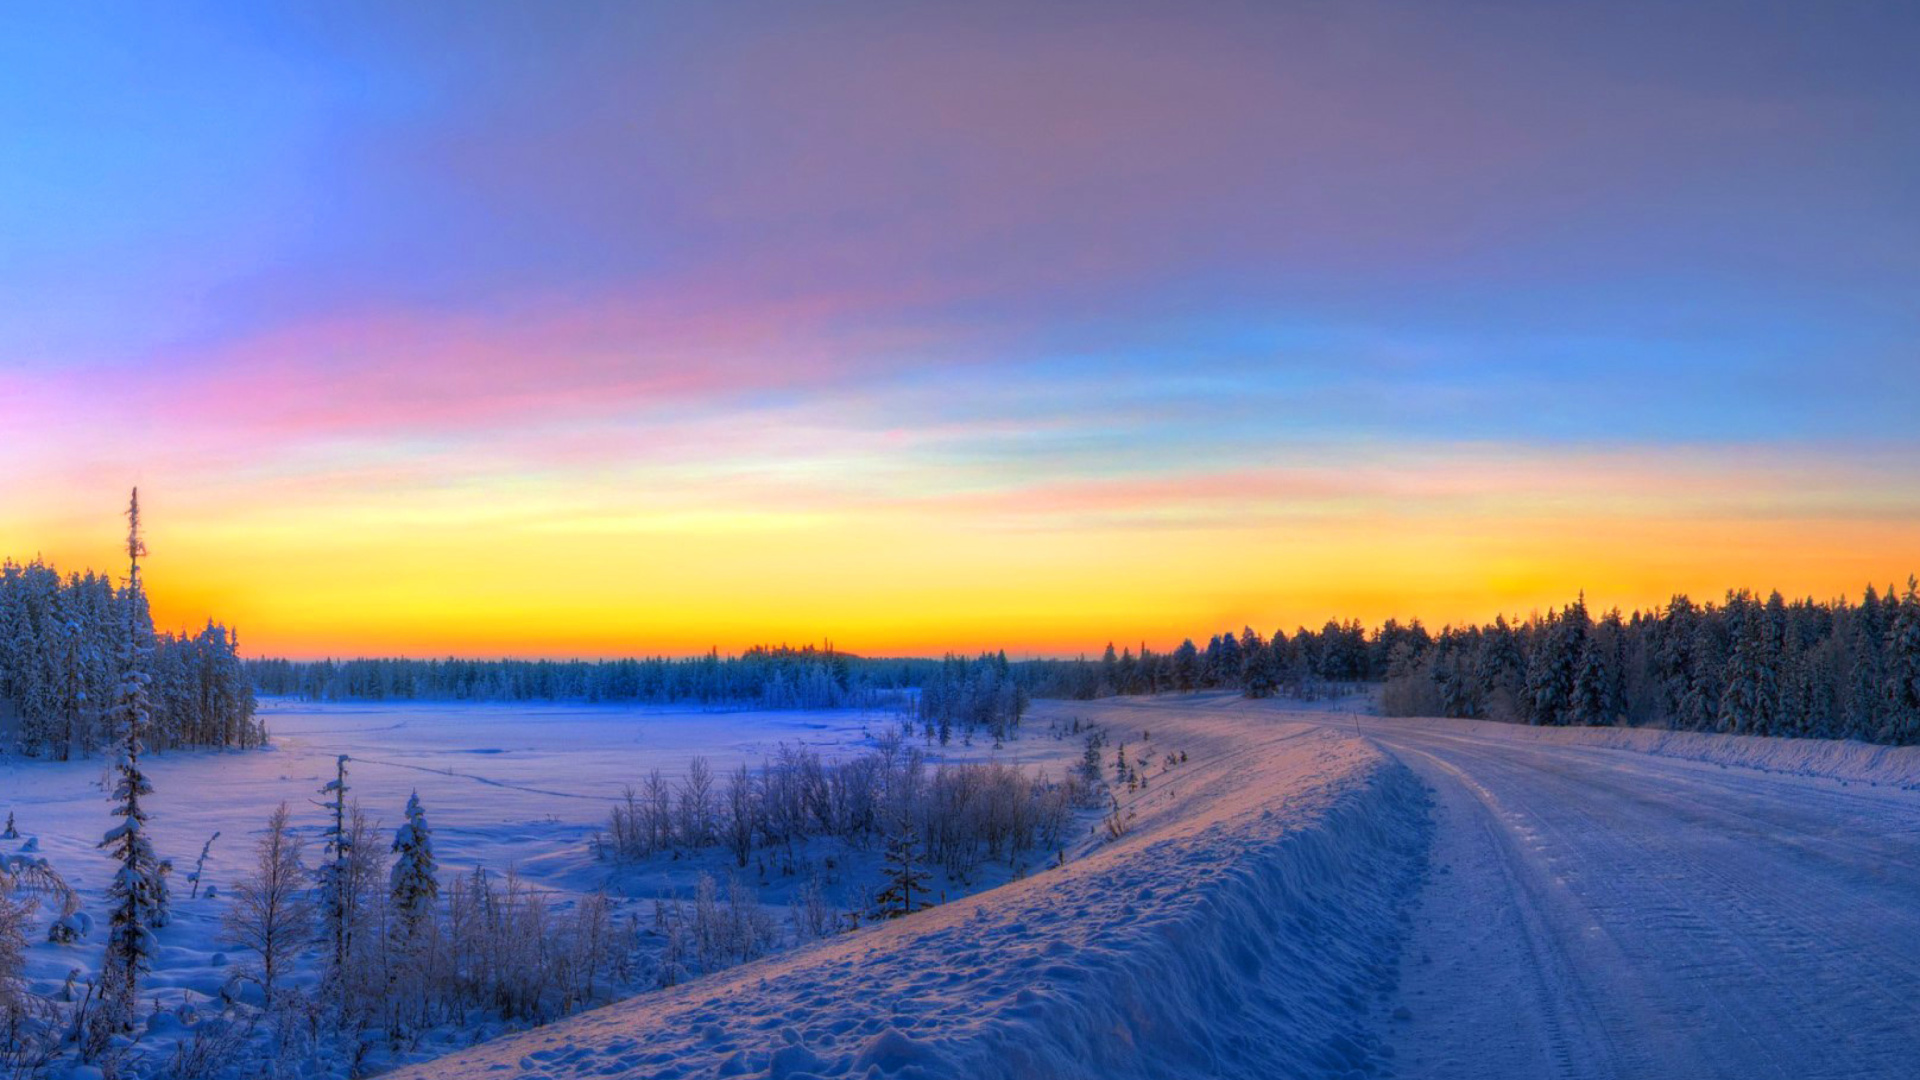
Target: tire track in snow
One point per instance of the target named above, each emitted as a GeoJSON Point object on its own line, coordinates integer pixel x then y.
{"type": "Point", "coordinates": [1739, 923]}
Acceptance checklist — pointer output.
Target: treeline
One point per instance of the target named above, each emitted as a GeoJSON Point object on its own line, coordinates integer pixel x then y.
{"type": "Point", "coordinates": [764, 676]}
{"type": "Point", "coordinates": [62, 664]}
{"type": "Point", "coordinates": [1308, 664]}
{"type": "Point", "coordinates": [968, 695]}
{"type": "Point", "coordinates": [1748, 666]}
{"type": "Point", "coordinates": [1834, 669]}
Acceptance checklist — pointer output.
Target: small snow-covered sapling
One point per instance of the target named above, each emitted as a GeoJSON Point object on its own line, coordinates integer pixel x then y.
{"type": "Point", "coordinates": [199, 865]}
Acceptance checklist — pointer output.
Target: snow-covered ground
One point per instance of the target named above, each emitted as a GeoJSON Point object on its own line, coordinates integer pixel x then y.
{"type": "Point", "coordinates": [1312, 893]}
{"type": "Point", "coordinates": [1247, 924]}
{"type": "Point", "coordinates": [1577, 904]}
{"type": "Point", "coordinates": [521, 786]}
{"type": "Point", "coordinates": [1607, 912]}
{"type": "Point", "coordinates": [1837, 759]}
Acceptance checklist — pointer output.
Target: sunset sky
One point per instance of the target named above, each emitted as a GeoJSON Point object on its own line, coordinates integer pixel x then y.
{"type": "Point", "coordinates": [600, 329]}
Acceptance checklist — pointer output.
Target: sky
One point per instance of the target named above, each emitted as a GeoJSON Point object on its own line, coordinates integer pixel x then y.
{"type": "Point", "coordinates": [613, 328]}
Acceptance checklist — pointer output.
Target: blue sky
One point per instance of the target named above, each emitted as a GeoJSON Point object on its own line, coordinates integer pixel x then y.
{"type": "Point", "coordinates": [572, 256]}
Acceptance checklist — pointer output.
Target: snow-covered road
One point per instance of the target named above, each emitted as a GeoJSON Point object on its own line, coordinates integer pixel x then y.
{"type": "Point", "coordinates": [1605, 913]}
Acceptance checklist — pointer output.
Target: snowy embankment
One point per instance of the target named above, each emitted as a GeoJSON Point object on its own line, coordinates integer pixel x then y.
{"type": "Point", "coordinates": [1245, 925]}
{"type": "Point", "coordinates": [1836, 759]}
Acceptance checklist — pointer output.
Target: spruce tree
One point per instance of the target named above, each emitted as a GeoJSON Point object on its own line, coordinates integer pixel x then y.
{"type": "Point", "coordinates": [1700, 707]}
{"type": "Point", "coordinates": [906, 879]}
{"type": "Point", "coordinates": [1866, 675]}
{"type": "Point", "coordinates": [1186, 666]}
{"type": "Point", "coordinates": [1747, 703]}
{"type": "Point", "coordinates": [1260, 667]}
{"type": "Point", "coordinates": [137, 895]}
{"type": "Point", "coordinates": [1902, 660]}
{"type": "Point", "coordinates": [414, 886]}
{"type": "Point", "coordinates": [336, 891]}
{"type": "Point", "coordinates": [1500, 669]}
{"type": "Point", "coordinates": [1588, 707]}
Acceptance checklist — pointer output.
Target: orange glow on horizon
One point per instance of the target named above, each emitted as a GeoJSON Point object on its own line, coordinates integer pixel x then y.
{"type": "Point", "coordinates": [881, 583]}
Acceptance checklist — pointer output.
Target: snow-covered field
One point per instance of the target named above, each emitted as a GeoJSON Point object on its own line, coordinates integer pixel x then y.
{"type": "Point", "coordinates": [520, 786]}
{"type": "Point", "coordinates": [1246, 925]}
{"type": "Point", "coordinates": [1310, 894]}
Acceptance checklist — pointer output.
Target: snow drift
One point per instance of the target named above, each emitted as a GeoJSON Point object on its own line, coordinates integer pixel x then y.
{"type": "Point", "coordinates": [1245, 926]}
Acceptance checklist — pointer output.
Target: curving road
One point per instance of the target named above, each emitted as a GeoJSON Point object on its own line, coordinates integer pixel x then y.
{"type": "Point", "coordinates": [1605, 913]}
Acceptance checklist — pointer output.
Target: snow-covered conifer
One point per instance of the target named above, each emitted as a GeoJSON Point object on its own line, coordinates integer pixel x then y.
{"type": "Point", "coordinates": [414, 886]}
{"type": "Point", "coordinates": [335, 874]}
{"type": "Point", "coordinates": [1902, 660]}
{"type": "Point", "coordinates": [906, 877]}
{"type": "Point", "coordinates": [137, 893]}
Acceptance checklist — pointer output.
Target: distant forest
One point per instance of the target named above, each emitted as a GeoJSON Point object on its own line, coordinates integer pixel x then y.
{"type": "Point", "coordinates": [62, 665]}
{"type": "Point", "coordinates": [1832, 669]}
{"type": "Point", "coordinates": [1747, 666]}
{"type": "Point", "coordinates": [763, 676]}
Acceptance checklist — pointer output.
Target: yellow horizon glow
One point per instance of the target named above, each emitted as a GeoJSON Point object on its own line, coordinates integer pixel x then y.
{"type": "Point", "coordinates": [338, 581]}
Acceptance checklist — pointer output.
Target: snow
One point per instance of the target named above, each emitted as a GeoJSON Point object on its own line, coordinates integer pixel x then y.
{"type": "Point", "coordinates": [1595, 911]}
{"type": "Point", "coordinates": [1312, 893]}
{"type": "Point", "coordinates": [522, 786]}
{"type": "Point", "coordinates": [1245, 925]}
{"type": "Point", "coordinates": [1857, 762]}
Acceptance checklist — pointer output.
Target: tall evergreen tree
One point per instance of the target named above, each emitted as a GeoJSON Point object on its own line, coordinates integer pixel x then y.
{"type": "Point", "coordinates": [1700, 707]}
{"type": "Point", "coordinates": [137, 894]}
{"type": "Point", "coordinates": [1186, 666]}
{"type": "Point", "coordinates": [1260, 675]}
{"type": "Point", "coordinates": [1591, 677]}
{"type": "Point", "coordinates": [336, 886]}
{"type": "Point", "coordinates": [1749, 700]}
{"type": "Point", "coordinates": [1866, 671]}
{"type": "Point", "coordinates": [1902, 655]}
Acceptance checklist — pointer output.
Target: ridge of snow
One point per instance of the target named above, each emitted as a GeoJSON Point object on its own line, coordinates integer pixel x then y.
{"type": "Point", "coordinates": [1245, 927]}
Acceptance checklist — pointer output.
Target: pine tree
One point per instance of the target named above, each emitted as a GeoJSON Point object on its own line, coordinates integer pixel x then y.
{"type": "Point", "coordinates": [137, 894]}
{"type": "Point", "coordinates": [1090, 772]}
{"type": "Point", "coordinates": [414, 886]}
{"type": "Point", "coordinates": [1228, 661]}
{"type": "Point", "coordinates": [1260, 668]}
{"type": "Point", "coordinates": [1673, 656]}
{"type": "Point", "coordinates": [1555, 663]}
{"type": "Point", "coordinates": [1866, 673]}
{"type": "Point", "coordinates": [1751, 695]}
{"type": "Point", "coordinates": [1902, 658]}
{"type": "Point", "coordinates": [1500, 670]}
{"type": "Point", "coordinates": [1186, 666]}
{"type": "Point", "coordinates": [1588, 707]}
{"type": "Point", "coordinates": [1700, 707]}
{"type": "Point", "coordinates": [906, 879]}
{"type": "Point", "coordinates": [336, 887]}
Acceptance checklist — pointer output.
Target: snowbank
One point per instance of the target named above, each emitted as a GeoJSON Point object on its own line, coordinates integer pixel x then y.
{"type": "Point", "coordinates": [1244, 927]}
{"type": "Point", "coordinates": [1854, 762]}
